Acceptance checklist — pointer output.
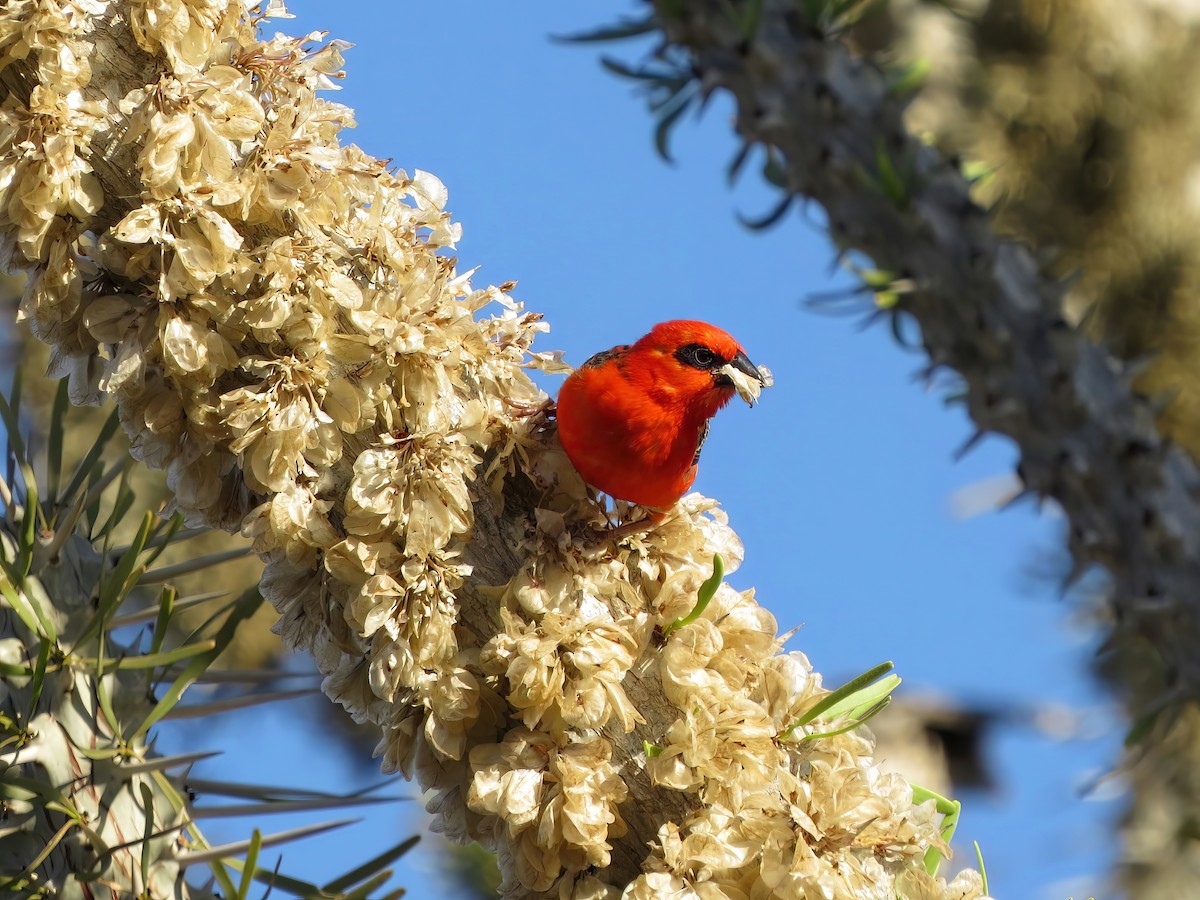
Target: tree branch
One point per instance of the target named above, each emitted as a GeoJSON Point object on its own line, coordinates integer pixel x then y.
{"type": "Point", "coordinates": [283, 331]}
{"type": "Point", "coordinates": [1087, 439]}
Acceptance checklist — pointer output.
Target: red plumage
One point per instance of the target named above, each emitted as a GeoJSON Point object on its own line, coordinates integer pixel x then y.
{"type": "Point", "coordinates": [632, 419]}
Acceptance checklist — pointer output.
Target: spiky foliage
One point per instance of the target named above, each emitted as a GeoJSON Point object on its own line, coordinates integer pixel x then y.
{"type": "Point", "coordinates": [1083, 118]}
{"type": "Point", "coordinates": [833, 127]}
{"type": "Point", "coordinates": [90, 809]}
{"type": "Point", "coordinates": [281, 325]}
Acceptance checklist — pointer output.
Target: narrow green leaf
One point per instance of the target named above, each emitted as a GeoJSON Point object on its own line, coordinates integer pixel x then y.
{"type": "Point", "coordinates": [10, 670]}
{"type": "Point", "coordinates": [371, 866]}
{"type": "Point", "coordinates": [703, 596]}
{"type": "Point", "coordinates": [17, 601]}
{"type": "Point", "coordinates": [162, 537]}
{"type": "Point", "coordinates": [950, 811]}
{"type": "Point", "coordinates": [272, 879]}
{"type": "Point", "coordinates": [116, 584]}
{"type": "Point", "coordinates": [10, 415]}
{"type": "Point", "coordinates": [619, 31]}
{"type": "Point", "coordinates": [851, 687]}
{"type": "Point", "coordinates": [852, 724]}
{"type": "Point", "coordinates": [54, 442]}
{"type": "Point", "coordinates": [166, 607]}
{"type": "Point", "coordinates": [739, 160]}
{"type": "Point", "coordinates": [166, 658]}
{"type": "Point", "coordinates": [982, 868]}
{"type": "Point", "coordinates": [84, 469]}
{"type": "Point", "coordinates": [766, 221]}
{"type": "Point", "coordinates": [27, 536]}
{"type": "Point", "coordinates": [862, 699]}
{"type": "Point", "coordinates": [250, 865]}
{"type": "Point", "coordinates": [369, 889]}
{"type": "Point", "coordinates": [651, 750]}
{"type": "Point", "coordinates": [148, 807]}
{"type": "Point", "coordinates": [39, 675]}
{"type": "Point", "coordinates": [662, 132]}
{"type": "Point", "coordinates": [103, 698]}
{"type": "Point", "coordinates": [37, 861]}
{"type": "Point", "coordinates": [657, 76]}
{"type": "Point", "coordinates": [242, 609]}
{"type": "Point", "coordinates": [121, 506]}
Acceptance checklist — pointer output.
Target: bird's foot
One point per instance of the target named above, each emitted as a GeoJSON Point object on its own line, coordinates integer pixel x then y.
{"type": "Point", "coordinates": [614, 534]}
{"type": "Point", "coordinates": [530, 410]}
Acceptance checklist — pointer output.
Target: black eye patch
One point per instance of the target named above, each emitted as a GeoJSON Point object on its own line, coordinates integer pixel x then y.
{"type": "Point", "coordinates": [699, 357]}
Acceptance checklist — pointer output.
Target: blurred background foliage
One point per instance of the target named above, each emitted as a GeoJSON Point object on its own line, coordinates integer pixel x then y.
{"type": "Point", "coordinates": [1084, 116]}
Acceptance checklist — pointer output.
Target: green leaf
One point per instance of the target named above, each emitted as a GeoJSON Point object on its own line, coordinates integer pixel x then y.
{"type": "Point", "coordinates": [39, 675]}
{"type": "Point", "coordinates": [88, 463]}
{"type": "Point", "coordinates": [675, 108]}
{"type": "Point", "coordinates": [10, 416]}
{"type": "Point", "coordinates": [54, 443]}
{"type": "Point", "coordinates": [950, 811]}
{"type": "Point", "coordinates": [117, 584]}
{"type": "Point", "coordinates": [847, 692]}
{"type": "Point", "coordinates": [982, 868]}
{"type": "Point", "coordinates": [121, 507]}
{"type": "Point", "coordinates": [155, 660]}
{"type": "Point", "coordinates": [651, 750]}
{"type": "Point", "coordinates": [371, 867]}
{"type": "Point", "coordinates": [863, 698]}
{"type": "Point", "coordinates": [243, 608]}
{"type": "Point", "coordinates": [623, 70]}
{"type": "Point", "coordinates": [27, 537]}
{"type": "Point", "coordinates": [17, 601]}
{"type": "Point", "coordinates": [166, 606]}
{"type": "Point", "coordinates": [160, 538]}
{"type": "Point", "coordinates": [771, 218]}
{"type": "Point", "coordinates": [703, 597]}
{"type": "Point", "coordinates": [619, 31]}
{"type": "Point", "coordinates": [251, 865]}
{"type": "Point", "coordinates": [147, 834]}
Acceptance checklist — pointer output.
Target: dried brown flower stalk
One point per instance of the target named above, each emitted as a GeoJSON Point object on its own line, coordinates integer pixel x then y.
{"type": "Point", "coordinates": [276, 317]}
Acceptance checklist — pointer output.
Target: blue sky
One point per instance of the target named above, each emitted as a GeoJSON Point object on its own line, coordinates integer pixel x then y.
{"type": "Point", "coordinates": [839, 482]}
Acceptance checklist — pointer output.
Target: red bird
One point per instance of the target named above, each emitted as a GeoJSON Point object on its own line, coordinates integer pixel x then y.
{"type": "Point", "coordinates": [633, 419]}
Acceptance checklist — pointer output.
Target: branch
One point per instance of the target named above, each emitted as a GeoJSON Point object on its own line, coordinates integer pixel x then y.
{"type": "Point", "coordinates": [280, 324]}
{"type": "Point", "coordinates": [1087, 439]}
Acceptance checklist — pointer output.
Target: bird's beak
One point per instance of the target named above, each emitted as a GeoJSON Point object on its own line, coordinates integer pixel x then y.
{"type": "Point", "coordinates": [742, 363]}
{"type": "Point", "coordinates": [745, 377]}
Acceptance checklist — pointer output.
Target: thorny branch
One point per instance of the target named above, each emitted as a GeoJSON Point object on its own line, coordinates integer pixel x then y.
{"type": "Point", "coordinates": [283, 331]}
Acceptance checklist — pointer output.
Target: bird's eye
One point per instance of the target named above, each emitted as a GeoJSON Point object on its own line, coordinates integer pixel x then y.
{"type": "Point", "coordinates": [698, 356]}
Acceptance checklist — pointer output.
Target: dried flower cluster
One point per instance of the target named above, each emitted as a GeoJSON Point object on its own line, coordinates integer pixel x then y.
{"type": "Point", "coordinates": [277, 320]}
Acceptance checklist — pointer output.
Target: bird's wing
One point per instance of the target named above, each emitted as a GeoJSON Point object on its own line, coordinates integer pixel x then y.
{"type": "Point", "coordinates": [604, 356]}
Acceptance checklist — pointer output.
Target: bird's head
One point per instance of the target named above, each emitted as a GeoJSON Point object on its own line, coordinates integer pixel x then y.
{"type": "Point", "coordinates": [704, 362]}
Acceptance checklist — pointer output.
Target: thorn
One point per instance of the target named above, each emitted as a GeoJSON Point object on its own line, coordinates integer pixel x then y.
{"type": "Point", "coordinates": [969, 444]}
{"type": "Point", "coordinates": [1079, 568]}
